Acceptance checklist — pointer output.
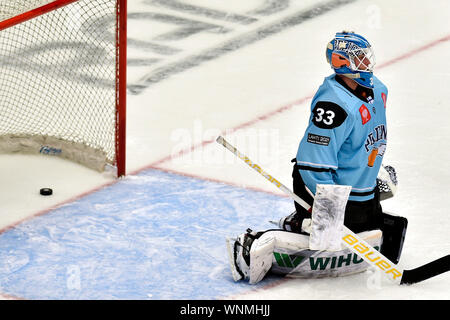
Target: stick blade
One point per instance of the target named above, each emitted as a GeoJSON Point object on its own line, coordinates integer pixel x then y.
{"type": "Point", "coordinates": [426, 271]}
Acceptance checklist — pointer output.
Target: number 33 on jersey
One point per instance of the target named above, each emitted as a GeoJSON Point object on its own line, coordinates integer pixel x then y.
{"type": "Point", "coordinates": [328, 115]}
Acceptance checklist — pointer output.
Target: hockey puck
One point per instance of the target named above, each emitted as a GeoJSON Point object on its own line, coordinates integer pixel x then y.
{"type": "Point", "coordinates": [46, 191]}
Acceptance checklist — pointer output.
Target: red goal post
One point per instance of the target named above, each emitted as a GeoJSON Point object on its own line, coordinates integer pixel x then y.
{"type": "Point", "coordinates": [63, 80]}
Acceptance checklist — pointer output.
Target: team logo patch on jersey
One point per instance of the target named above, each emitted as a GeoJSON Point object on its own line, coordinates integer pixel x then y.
{"type": "Point", "coordinates": [365, 114]}
{"type": "Point", "coordinates": [328, 115]}
{"type": "Point", "coordinates": [384, 97]}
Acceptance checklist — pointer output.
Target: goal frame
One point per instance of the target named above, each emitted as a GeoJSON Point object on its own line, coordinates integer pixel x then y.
{"type": "Point", "coordinates": [121, 68]}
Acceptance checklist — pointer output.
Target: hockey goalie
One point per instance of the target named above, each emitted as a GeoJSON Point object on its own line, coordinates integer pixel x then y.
{"type": "Point", "coordinates": [338, 171]}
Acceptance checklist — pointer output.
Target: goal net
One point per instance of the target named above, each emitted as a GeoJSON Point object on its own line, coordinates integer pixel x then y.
{"type": "Point", "coordinates": [63, 80]}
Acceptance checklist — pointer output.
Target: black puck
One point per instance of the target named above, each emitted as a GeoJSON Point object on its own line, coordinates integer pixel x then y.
{"type": "Point", "coordinates": [46, 191]}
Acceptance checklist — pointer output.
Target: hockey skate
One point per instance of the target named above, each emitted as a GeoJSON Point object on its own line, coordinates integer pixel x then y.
{"type": "Point", "coordinates": [294, 223]}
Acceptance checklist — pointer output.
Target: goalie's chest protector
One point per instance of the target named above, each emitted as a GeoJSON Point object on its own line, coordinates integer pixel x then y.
{"type": "Point", "coordinates": [346, 135]}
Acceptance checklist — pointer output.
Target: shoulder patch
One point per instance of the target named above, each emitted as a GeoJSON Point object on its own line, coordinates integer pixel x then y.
{"type": "Point", "coordinates": [384, 97]}
{"type": "Point", "coordinates": [328, 115]}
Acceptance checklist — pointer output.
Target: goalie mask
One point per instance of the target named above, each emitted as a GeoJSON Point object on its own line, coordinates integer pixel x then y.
{"type": "Point", "coordinates": [351, 55]}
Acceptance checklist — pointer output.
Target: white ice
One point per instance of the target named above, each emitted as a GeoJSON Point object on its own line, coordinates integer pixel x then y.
{"type": "Point", "coordinates": [284, 69]}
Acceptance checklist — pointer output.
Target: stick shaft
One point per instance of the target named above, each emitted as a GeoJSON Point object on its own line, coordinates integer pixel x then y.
{"type": "Point", "coordinates": [258, 169]}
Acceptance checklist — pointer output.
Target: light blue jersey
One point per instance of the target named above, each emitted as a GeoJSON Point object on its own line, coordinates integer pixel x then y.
{"type": "Point", "coordinates": [345, 140]}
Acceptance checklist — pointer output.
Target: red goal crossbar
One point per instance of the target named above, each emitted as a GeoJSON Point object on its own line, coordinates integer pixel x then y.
{"type": "Point", "coordinates": [34, 13]}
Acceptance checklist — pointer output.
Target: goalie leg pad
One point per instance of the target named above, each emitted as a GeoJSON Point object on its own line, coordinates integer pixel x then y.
{"type": "Point", "coordinates": [292, 257]}
{"type": "Point", "coordinates": [253, 255]}
{"type": "Point", "coordinates": [261, 254]}
{"type": "Point", "coordinates": [250, 255]}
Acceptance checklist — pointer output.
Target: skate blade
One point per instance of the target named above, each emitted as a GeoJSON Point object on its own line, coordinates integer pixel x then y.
{"type": "Point", "coordinates": [230, 250]}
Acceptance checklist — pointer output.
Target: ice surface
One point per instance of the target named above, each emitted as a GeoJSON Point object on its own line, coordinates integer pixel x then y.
{"type": "Point", "coordinates": [256, 92]}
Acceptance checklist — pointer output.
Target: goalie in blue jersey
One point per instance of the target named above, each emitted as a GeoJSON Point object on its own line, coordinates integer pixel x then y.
{"type": "Point", "coordinates": [343, 145]}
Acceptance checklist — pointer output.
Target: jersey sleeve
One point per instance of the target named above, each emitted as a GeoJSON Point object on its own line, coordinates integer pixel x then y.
{"type": "Point", "coordinates": [317, 156]}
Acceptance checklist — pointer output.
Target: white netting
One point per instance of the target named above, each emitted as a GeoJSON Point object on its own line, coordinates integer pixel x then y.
{"type": "Point", "coordinates": [11, 8]}
{"type": "Point", "coordinates": [58, 75]}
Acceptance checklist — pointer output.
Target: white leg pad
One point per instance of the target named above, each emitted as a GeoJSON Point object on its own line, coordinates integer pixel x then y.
{"type": "Point", "coordinates": [230, 251]}
{"type": "Point", "coordinates": [261, 254]}
{"type": "Point", "coordinates": [293, 257]}
{"type": "Point", "coordinates": [288, 253]}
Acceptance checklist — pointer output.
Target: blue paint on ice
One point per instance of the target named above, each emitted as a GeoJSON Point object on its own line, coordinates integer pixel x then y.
{"type": "Point", "coordinates": [155, 235]}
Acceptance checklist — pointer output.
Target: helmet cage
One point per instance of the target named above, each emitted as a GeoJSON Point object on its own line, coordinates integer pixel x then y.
{"type": "Point", "coordinates": [361, 59]}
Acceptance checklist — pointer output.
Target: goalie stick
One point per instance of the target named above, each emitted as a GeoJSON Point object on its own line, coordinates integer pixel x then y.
{"type": "Point", "coordinates": [354, 242]}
